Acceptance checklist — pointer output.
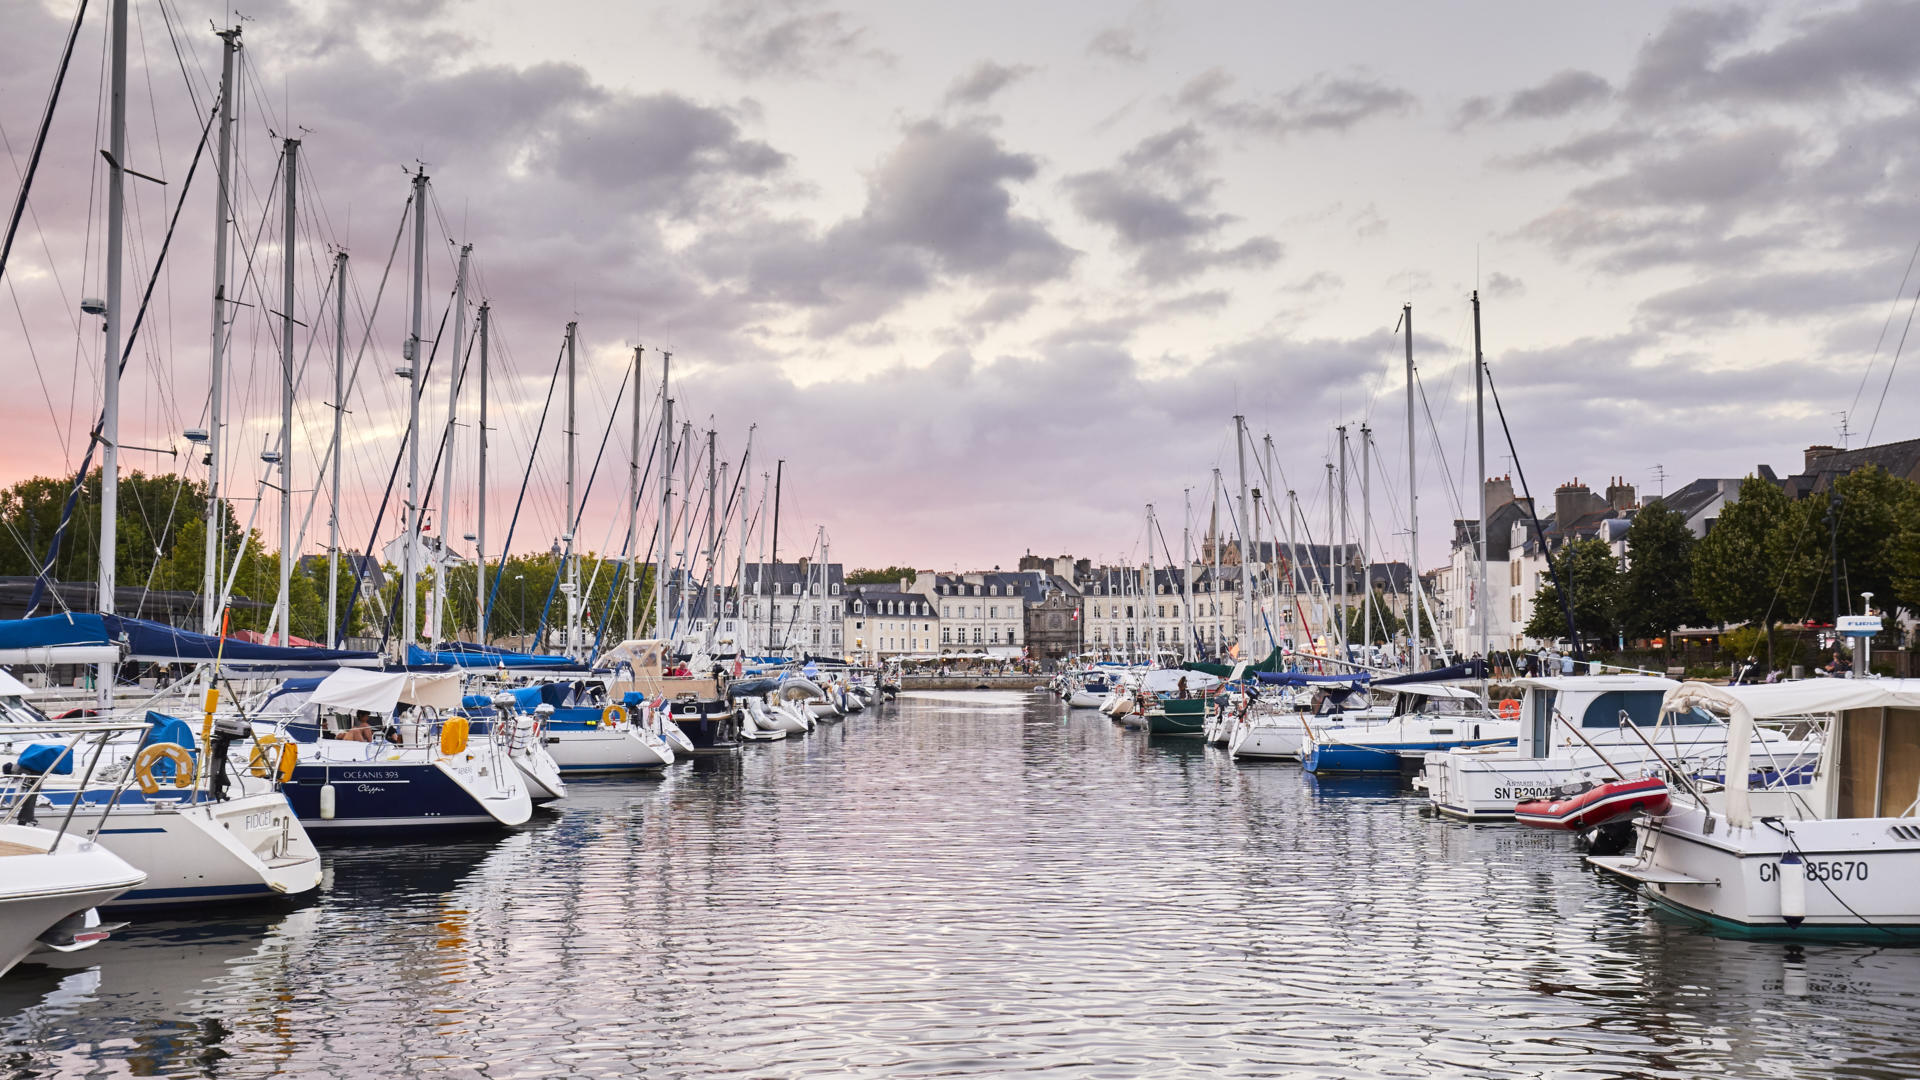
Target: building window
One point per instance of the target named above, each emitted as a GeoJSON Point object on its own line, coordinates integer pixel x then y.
{"type": "Point", "coordinates": [946, 635]}
{"type": "Point", "coordinates": [976, 635]}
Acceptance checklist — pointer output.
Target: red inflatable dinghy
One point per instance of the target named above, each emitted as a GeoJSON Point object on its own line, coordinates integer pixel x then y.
{"type": "Point", "coordinates": [1596, 805]}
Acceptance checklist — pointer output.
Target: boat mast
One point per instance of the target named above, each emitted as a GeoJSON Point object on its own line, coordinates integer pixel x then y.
{"type": "Point", "coordinates": [664, 526]}
{"type": "Point", "coordinates": [713, 535]}
{"type": "Point", "coordinates": [410, 573]}
{"type": "Point", "coordinates": [216, 519]}
{"type": "Point", "coordinates": [283, 607]}
{"type": "Point", "coordinates": [1366, 530]}
{"type": "Point", "coordinates": [1413, 506]}
{"type": "Point", "coordinates": [1246, 569]}
{"type": "Point", "coordinates": [480, 490]}
{"type": "Point", "coordinates": [1256, 597]}
{"type": "Point", "coordinates": [339, 416]}
{"type": "Point", "coordinates": [1186, 574]}
{"type": "Point", "coordinates": [1293, 559]}
{"type": "Point", "coordinates": [717, 558]}
{"type": "Point", "coordinates": [1153, 589]}
{"type": "Point", "coordinates": [760, 577]}
{"type": "Point", "coordinates": [1273, 564]}
{"type": "Point", "coordinates": [110, 346]}
{"type": "Point", "coordinates": [633, 500]}
{"type": "Point", "coordinates": [1334, 610]}
{"type": "Point", "coordinates": [746, 535]}
{"type": "Point", "coordinates": [685, 559]}
{"type": "Point", "coordinates": [572, 582]}
{"type": "Point", "coordinates": [1480, 437]}
{"type": "Point", "coordinates": [442, 602]}
{"type": "Point", "coordinates": [779, 470]}
{"type": "Point", "coordinates": [1213, 587]}
{"type": "Point", "coordinates": [1346, 549]}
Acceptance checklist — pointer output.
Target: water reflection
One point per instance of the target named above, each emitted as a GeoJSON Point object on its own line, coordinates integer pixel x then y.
{"type": "Point", "coordinates": [965, 885]}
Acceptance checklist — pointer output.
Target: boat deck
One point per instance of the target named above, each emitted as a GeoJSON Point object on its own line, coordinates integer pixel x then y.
{"type": "Point", "coordinates": [8, 847]}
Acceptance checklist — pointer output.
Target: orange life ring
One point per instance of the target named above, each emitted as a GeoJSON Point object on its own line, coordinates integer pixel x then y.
{"type": "Point", "coordinates": [1510, 709]}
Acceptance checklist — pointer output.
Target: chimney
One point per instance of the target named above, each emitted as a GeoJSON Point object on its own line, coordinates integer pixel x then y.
{"type": "Point", "coordinates": [1815, 453]}
{"type": "Point", "coordinates": [1499, 492]}
{"type": "Point", "coordinates": [1570, 502]}
{"type": "Point", "coordinates": [1620, 494]}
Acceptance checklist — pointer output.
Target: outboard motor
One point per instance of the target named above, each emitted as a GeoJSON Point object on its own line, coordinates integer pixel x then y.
{"type": "Point", "coordinates": [227, 730]}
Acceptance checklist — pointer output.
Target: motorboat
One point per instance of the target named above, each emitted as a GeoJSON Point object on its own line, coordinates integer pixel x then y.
{"type": "Point", "coordinates": [51, 883]}
{"type": "Point", "coordinates": [1836, 858]}
{"type": "Point", "coordinates": [52, 880]}
{"type": "Point", "coordinates": [1424, 717]}
{"type": "Point", "coordinates": [390, 751]}
{"type": "Point", "coordinates": [1571, 735]}
{"type": "Point", "coordinates": [1089, 692]}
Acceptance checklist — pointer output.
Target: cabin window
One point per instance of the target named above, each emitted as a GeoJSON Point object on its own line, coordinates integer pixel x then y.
{"type": "Point", "coordinates": [1641, 706]}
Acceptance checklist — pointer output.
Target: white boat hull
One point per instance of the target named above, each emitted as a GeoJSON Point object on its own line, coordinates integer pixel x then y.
{"type": "Point", "coordinates": [241, 848]}
{"type": "Point", "coordinates": [38, 890]}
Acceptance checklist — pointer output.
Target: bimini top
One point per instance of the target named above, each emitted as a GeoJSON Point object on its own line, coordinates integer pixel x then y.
{"type": "Point", "coordinates": [1437, 690]}
{"type": "Point", "coordinates": [380, 692]}
{"type": "Point", "coordinates": [1745, 704]}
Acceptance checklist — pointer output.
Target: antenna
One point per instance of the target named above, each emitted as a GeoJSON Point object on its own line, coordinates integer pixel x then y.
{"type": "Point", "coordinates": [1660, 475]}
{"type": "Point", "coordinates": [1845, 432]}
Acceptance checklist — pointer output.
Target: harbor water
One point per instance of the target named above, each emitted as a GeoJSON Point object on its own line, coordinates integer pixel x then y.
{"type": "Point", "coordinates": [977, 884]}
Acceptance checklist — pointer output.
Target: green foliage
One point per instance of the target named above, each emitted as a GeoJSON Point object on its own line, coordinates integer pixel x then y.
{"type": "Point", "coordinates": [1594, 580]}
{"type": "Point", "coordinates": [1757, 554]}
{"type": "Point", "coordinates": [1877, 512]}
{"type": "Point", "coordinates": [1743, 641]}
{"type": "Point", "coordinates": [154, 513]}
{"type": "Point", "coordinates": [886, 575]}
{"type": "Point", "coordinates": [1656, 589]}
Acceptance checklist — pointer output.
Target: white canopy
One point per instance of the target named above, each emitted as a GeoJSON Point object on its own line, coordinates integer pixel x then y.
{"type": "Point", "coordinates": [1745, 704]}
{"type": "Point", "coordinates": [12, 687]}
{"type": "Point", "coordinates": [1167, 680]}
{"type": "Point", "coordinates": [381, 691]}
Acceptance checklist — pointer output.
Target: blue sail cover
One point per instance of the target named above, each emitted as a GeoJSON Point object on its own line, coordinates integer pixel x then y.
{"type": "Point", "coordinates": [1301, 678]}
{"type": "Point", "coordinates": [1471, 669]}
{"type": "Point", "coordinates": [466, 655]}
{"type": "Point", "coordinates": [148, 640]}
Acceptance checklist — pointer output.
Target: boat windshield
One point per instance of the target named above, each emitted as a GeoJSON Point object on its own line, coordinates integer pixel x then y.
{"type": "Point", "coordinates": [1641, 706]}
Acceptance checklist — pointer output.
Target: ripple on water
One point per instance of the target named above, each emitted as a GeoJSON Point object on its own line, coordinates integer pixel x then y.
{"type": "Point", "coordinates": [965, 884]}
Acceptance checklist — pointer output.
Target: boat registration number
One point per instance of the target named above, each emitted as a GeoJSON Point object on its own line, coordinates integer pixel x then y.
{"type": "Point", "coordinates": [1832, 870]}
{"type": "Point", "coordinates": [1520, 793]}
{"type": "Point", "coordinates": [262, 820]}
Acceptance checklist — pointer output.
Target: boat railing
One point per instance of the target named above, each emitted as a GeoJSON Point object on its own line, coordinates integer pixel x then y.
{"type": "Point", "coordinates": [20, 808]}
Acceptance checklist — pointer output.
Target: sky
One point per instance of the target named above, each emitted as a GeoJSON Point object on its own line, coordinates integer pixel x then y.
{"type": "Point", "coordinates": [992, 278]}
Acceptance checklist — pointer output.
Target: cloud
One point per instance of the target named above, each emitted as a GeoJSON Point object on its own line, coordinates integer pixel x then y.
{"type": "Point", "coordinates": [1502, 285]}
{"type": "Point", "coordinates": [1117, 43]}
{"type": "Point", "coordinates": [984, 81]}
{"type": "Point", "coordinates": [1778, 296]}
{"type": "Point", "coordinates": [1335, 103]}
{"type": "Point", "coordinates": [755, 39]}
{"type": "Point", "coordinates": [939, 206]}
{"type": "Point", "coordinates": [1872, 46]}
{"type": "Point", "coordinates": [1161, 210]}
{"type": "Point", "coordinates": [1588, 151]}
{"type": "Point", "coordinates": [1560, 94]}
{"type": "Point", "coordinates": [1675, 63]}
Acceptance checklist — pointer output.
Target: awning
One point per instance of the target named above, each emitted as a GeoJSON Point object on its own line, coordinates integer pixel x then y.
{"type": "Point", "coordinates": [380, 692]}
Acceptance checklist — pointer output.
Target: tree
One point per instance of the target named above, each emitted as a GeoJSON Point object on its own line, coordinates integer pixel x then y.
{"type": "Point", "coordinates": [1588, 568]}
{"type": "Point", "coordinates": [886, 575]}
{"type": "Point", "coordinates": [1656, 590]}
{"type": "Point", "coordinates": [1759, 557]}
{"type": "Point", "coordinates": [1875, 509]}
